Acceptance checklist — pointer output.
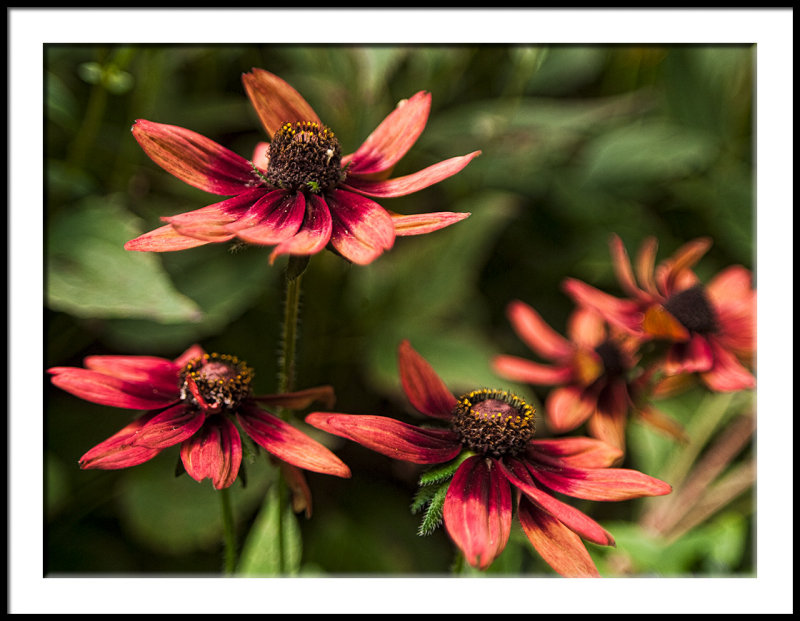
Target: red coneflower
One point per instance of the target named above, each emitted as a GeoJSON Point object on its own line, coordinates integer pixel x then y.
{"type": "Point", "coordinates": [299, 194]}
{"type": "Point", "coordinates": [490, 434]}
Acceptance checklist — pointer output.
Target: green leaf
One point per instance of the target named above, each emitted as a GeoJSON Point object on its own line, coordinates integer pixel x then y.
{"type": "Point", "coordinates": [433, 514]}
{"type": "Point", "coordinates": [271, 538]}
{"type": "Point", "coordinates": [90, 274]}
{"type": "Point", "coordinates": [442, 473]}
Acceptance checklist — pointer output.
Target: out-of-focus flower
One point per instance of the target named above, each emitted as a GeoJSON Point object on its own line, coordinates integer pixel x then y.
{"type": "Point", "coordinates": [711, 327]}
{"type": "Point", "coordinates": [299, 193]}
{"type": "Point", "coordinates": [490, 434]}
{"type": "Point", "coordinates": [196, 401]}
{"type": "Point", "coordinates": [593, 371]}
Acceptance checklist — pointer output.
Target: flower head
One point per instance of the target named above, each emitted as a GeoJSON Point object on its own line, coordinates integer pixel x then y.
{"type": "Point", "coordinates": [710, 328]}
{"type": "Point", "coordinates": [299, 194]}
{"type": "Point", "coordinates": [197, 401]}
{"type": "Point", "coordinates": [490, 435]}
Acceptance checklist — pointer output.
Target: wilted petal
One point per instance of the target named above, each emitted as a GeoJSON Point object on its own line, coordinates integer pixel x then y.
{"type": "Point", "coordinates": [170, 427]}
{"type": "Point", "coordinates": [195, 159]}
{"type": "Point", "coordinates": [107, 390]}
{"type": "Point", "coordinates": [424, 388]}
{"type": "Point", "coordinates": [392, 139]}
{"type": "Point", "coordinates": [578, 452]}
{"type": "Point", "coordinates": [362, 229]}
{"type": "Point", "coordinates": [314, 234]}
{"type": "Point", "coordinates": [391, 437]}
{"type": "Point", "coordinates": [728, 374]}
{"type": "Point", "coordinates": [536, 333]}
{"type": "Point", "coordinates": [215, 452]}
{"type": "Point", "coordinates": [573, 519]}
{"type": "Point", "coordinates": [561, 548]}
{"type": "Point", "coordinates": [275, 101]}
{"type": "Point", "coordinates": [119, 451]}
{"type": "Point", "coordinates": [568, 407]}
{"type": "Point", "coordinates": [163, 239]}
{"type": "Point", "coordinates": [274, 218]}
{"type": "Point", "coordinates": [599, 483]}
{"type": "Point", "coordinates": [420, 224]}
{"type": "Point", "coordinates": [402, 186]}
{"type": "Point", "coordinates": [288, 443]}
{"type": "Point", "coordinates": [477, 510]}
{"type": "Point", "coordinates": [158, 372]}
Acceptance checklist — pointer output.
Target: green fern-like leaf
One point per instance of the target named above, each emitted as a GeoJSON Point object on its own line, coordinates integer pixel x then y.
{"type": "Point", "coordinates": [433, 514]}
{"type": "Point", "coordinates": [422, 498]}
{"type": "Point", "coordinates": [442, 473]}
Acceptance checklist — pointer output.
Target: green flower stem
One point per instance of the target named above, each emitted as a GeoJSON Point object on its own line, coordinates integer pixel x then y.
{"type": "Point", "coordinates": [228, 530]}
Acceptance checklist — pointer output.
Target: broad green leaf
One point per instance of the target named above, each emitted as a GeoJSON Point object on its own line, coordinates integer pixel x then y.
{"type": "Point", "coordinates": [90, 274]}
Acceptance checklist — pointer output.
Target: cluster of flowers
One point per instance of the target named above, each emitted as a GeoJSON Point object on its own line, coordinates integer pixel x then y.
{"type": "Point", "coordinates": [301, 195]}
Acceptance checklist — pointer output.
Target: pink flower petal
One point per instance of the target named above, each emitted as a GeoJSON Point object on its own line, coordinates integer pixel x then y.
{"type": "Point", "coordinates": [423, 223]}
{"type": "Point", "coordinates": [624, 314]}
{"type": "Point", "coordinates": [274, 218]}
{"type": "Point", "coordinates": [529, 372]}
{"type": "Point", "coordinates": [214, 452]}
{"type": "Point", "coordinates": [170, 427]}
{"type": "Point", "coordinates": [727, 374]}
{"type": "Point", "coordinates": [195, 159]}
{"type": "Point", "coordinates": [561, 548]}
{"type": "Point", "coordinates": [152, 370]}
{"type": "Point", "coordinates": [261, 156]}
{"type": "Point", "coordinates": [586, 328]}
{"type": "Point", "coordinates": [362, 229]}
{"type": "Point", "coordinates": [573, 519]}
{"type": "Point", "coordinates": [671, 272]}
{"type": "Point", "coordinates": [569, 407]}
{"type": "Point", "coordinates": [119, 451]}
{"type": "Point", "coordinates": [391, 437]}
{"type": "Point", "coordinates": [107, 390]}
{"type": "Point", "coordinates": [408, 184]}
{"type": "Point", "coordinates": [691, 357]}
{"type": "Point", "coordinates": [577, 452]}
{"type": "Point", "coordinates": [314, 234]}
{"type": "Point", "coordinates": [599, 483]}
{"type": "Point", "coordinates": [392, 139]}
{"type": "Point", "coordinates": [163, 239]}
{"type": "Point", "coordinates": [536, 333]}
{"type": "Point", "coordinates": [477, 510]}
{"type": "Point", "coordinates": [645, 266]}
{"type": "Point", "coordinates": [275, 101]}
{"type": "Point", "coordinates": [622, 267]}
{"type": "Point", "coordinates": [211, 223]}
{"type": "Point", "coordinates": [288, 443]}
{"type": "Point", "coordinates": [424, 388]}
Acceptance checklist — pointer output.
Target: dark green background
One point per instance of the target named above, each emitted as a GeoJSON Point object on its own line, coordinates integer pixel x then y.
{"type": "Point", "coordinates": [578, 142]}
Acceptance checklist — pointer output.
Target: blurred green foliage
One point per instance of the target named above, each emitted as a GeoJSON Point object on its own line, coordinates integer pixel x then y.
{"type": "Point", "coordinates": [577, 142]}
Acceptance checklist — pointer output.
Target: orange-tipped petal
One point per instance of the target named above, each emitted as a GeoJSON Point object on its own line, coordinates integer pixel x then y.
{"type": "Point", "coordinates": [645, 265]}
{"type": "Point", "coordinates": [420, 224]}
{"type": "Point", "coordinates": [424, 388]}
{"type": "Point", "coordinates": [659, 323]}
{"type": "Point", "coordinates": [578, 452]}
{"type": "Point", "coordinates": [163, 239]}
{"type": "Point", "coordinates": [276, 101]}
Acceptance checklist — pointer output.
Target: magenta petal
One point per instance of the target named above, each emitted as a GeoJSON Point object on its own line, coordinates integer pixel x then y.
{"type": "Point", "coordinates": [561, 548]}
{"type": "Point", "coordinates": [391, 437]}
{"type": "Point", "coordinates": [477, 510]}
{"type": "Point", "coordinates": [158, 372]}
{"type": "Point", "coordinates": [314, 234]}
{"type": "Point", "coordinates": [362, 229]}
{"type": "Point", "coordinates": [119, 451]}
{"type": "Point", "coordinates": [214, 452]}
{"type": "Point", "coordinates": [195, 159]}
{"type": "Point", "coordinates": [402, 186]}
{"type": "Point", "coordinates": [423, 386]}
{"type": "Point", "coordinates": [274, 218]}
{"type": "Point", "coordinates": [170, 427]}
{"type": "Point", "coordinates": [289, 444]}
{"type": "Point", "coordinates": [211, 223]}
{"type": "Point", "coordinates": [577, 452]}
{"type": "Point", "coordinates": [107, 390]}
{"type": "Point", "coordinates": [195, 352]}
{"type": "Point", "coordinates": [423, 223]}
{"type": "Point", "coordinates": [573, 519]}
{"type": "Point", "coordinates": [392, 139]}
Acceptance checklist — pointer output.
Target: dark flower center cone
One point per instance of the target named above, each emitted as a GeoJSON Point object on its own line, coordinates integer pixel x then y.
{"type": "Point", "coordinates": [216, 382]}
{"type": "Point", "coordinates": [305, 156]}
{"type": "Point", "coordinates": [494, 422]}
{"type": "Point", "coordinates": [692, 308]}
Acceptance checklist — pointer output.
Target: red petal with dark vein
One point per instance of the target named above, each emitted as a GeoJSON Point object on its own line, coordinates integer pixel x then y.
{"type": "Point", "coordinates": [424, 388]}
{"type": "Point", "coordinates": [402, 186]}
{"type": "Point", "coordinates": [477, 510]}
{"type": "Point", "coordinates": [314, 234]}
{"type": "Point", "coordinates": [561, 548]}
{"type": "Point", "coordinates": [275, 101]}
{"type": "Point", "coordinates": [573, 519]}
{"type": "Point", "coordinates": [163, 239]}
{"type": "Point", "coordinates": [158, 372]}
{"type": "Point", "coordinates": [170, 427]}
{"type": "Point", "coordinates": [211, 223]}
{"type": "Point", "coordinates": [598, 483]}
{"type": "Point", "coordinates": [118, 451]}
{"type": "Point", "coordinates": [275, 217]}
{"type": "Point", "coordinates": [577, 452]}
{"type": "Point", "coordinates": [391, 437]}
{"type": "Point", "coordinates": [106, 390]}
{"type": "Point", "coordinates": [420, 224]}
{"type": "Point", "coordinates": [195, 159]}
{"type": "Point", "coordinates": [214, 452]}
{"type": "Point", "coordinates": [392, 139]}
{"type": "Point", "coordinates": [362, 229]}
{"type": "Point", "coordinates": [289, 444]}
